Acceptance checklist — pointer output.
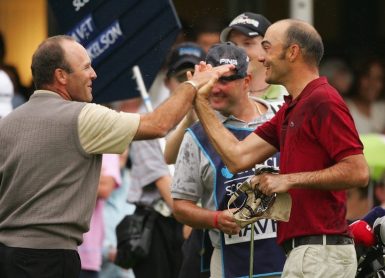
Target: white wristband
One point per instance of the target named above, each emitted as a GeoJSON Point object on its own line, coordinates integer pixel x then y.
{"type": "Point", "coordinates": [192, 83]}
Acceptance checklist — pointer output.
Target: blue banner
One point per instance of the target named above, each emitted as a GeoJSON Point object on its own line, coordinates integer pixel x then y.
{"type": "Point", "coordinates": [105, 43]}
{"type": "Point", "coordinates": [84, 30]}
{"type": "Point", "coordinates": [119, 35]}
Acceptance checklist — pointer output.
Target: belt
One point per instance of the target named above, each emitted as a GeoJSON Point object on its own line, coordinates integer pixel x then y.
{"type": "Point", "coordinates": [290, 244]}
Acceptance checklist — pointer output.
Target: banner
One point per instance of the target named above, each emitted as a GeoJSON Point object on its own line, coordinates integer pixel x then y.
{"type": "Point", "coordinates": [118, 35]}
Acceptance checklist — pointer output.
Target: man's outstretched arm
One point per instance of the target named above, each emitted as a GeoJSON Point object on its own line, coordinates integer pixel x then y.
{"type": "Point", "coordinates": [237, 155]}
{"type": "Point", "coordinates": [159, 122]}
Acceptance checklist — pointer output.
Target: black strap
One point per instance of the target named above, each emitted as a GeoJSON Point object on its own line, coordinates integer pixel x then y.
{"type": "Point", "coordinates": [288, 245]}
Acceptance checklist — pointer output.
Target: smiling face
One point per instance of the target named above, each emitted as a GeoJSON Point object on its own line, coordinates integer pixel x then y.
{"type": "Point", "coordinates": [274, 56]}
{"type": "Point", "coordinates": [252, 46]}
{"type": "Point", "coordinates": [227, 95]}
{"type": "Point", "coordinates": [79, 80]}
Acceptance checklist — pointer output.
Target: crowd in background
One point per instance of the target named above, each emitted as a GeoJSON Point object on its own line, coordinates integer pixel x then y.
{"type": "Point", "coordinates": [360, 82]}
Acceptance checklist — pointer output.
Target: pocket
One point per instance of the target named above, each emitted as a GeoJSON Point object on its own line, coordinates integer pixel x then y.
{"type": "Point", "coordinates": [312, 260]}
{"type": "Point", "coordinates": [329, 261]}
{"type": "Point", "coordinates": [342, 255]}
{"type": "Point", "coordinates": [37, 262]}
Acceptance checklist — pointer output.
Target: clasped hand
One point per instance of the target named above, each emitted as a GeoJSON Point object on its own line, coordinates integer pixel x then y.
{"type": "Point", "coordinates": [270, 183]}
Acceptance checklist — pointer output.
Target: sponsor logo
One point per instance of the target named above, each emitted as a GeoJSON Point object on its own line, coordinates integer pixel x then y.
{"type": "Point", "coordinates": [263, 229]}
{"type": "Point", "coordinates": [189, 51]}
{"type": "Point", "coordinates": [78, 4]}
{"type": "Point", "coordinates": [272, 162]}
{"type": "Point", "coordinates": [105, 42]}
{"type": "Point", "coordinates": [226, 173]}
{"type": "Point", "coordinates": [84, 30]}
{"type": "Point", "coordinates": [243, 19]}
{"type": "Point", "coordinates": [228, 61]}
{"type": "Point", "coordinates": [233, 185]}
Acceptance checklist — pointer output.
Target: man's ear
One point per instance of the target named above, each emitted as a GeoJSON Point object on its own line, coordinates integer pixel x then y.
{"type": "Point", "coordinates": [61, 76]}
{"type": "Point", "coordinates": [293, 52]}
{"type": "Point", "coordinates": [247, 82]}
{"type": "Point", "coordinates": [167, 82]}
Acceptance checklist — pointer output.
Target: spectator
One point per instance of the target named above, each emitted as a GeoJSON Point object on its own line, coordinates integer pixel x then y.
{"type": "Point", "coordinates": [90, 250]}
{"type": "Point", "coordinates": [339, 75]}
{"type": "Point", "coordinates": [357, 204]}
{"type": "Point", "coordinates": [20, 93]}
{"type": "Point", "coordinates": [366, 99]}
{"type": "Point", "coordinates": [150, 192]}
{"type": "Point", "coordinates": [116, 207]}
{"type": "Point", "coordinates": [182, 59]}
{"type": "Point", "coordinates": [247, 31]}
{"type": "Point", "coordinates": [6, 94]}
{"type": "Point", "coordinates": [207, 32]}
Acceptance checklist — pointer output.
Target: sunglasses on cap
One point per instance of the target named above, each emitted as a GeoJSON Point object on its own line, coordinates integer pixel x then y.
{"type": "Point", "coordinates": [181, 76]}
{"type": "Point", "coordinates": [230, 78]}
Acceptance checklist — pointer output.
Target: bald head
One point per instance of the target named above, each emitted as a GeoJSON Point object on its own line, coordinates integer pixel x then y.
{"type": "Point", "coordinates": [49, 56]}
{"type": "Point", "coordinates": [306, 36]}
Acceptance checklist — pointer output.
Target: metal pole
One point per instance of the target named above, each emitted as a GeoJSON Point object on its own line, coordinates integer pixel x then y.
{"type": "Point", "coordinates": [302, 9]}
{"type": "Point", "coordinates": [251, 261]}
{"type": "Point", "coordinates": [148, 105]}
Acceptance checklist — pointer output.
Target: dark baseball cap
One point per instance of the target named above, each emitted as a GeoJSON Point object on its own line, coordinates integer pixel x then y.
{"type": "Point", "coordinates": [250, 24]}
{"type": "Point", "coordinates": [228, 53]}
{"type": "Point", "coordinates": [184, 56]}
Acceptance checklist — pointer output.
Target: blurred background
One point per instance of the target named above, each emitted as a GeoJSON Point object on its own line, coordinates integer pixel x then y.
{"type": "Point", "coordinates": [353, 32]}
{"type": "Point", "coordinates": [349, 27]}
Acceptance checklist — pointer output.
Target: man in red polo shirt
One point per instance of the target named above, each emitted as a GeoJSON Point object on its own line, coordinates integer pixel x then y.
{"type": "Point", "coordinates": [321, 154]}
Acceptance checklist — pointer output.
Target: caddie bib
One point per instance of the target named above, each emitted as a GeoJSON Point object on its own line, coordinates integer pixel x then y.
{"type": "Point", "coordinates": [269, 258]}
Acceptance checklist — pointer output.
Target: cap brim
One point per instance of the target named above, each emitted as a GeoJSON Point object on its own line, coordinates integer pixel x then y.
{"type": "Point", "coordinates": [225, 34]}
{"type": "Point", "coordinates": [187, 62]}
{"type": "Point", "coordinates": [246, 31]}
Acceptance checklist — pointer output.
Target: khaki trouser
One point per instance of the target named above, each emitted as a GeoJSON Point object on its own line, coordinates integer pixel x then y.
{"type": "Point", "coordinates": [312, 261]}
